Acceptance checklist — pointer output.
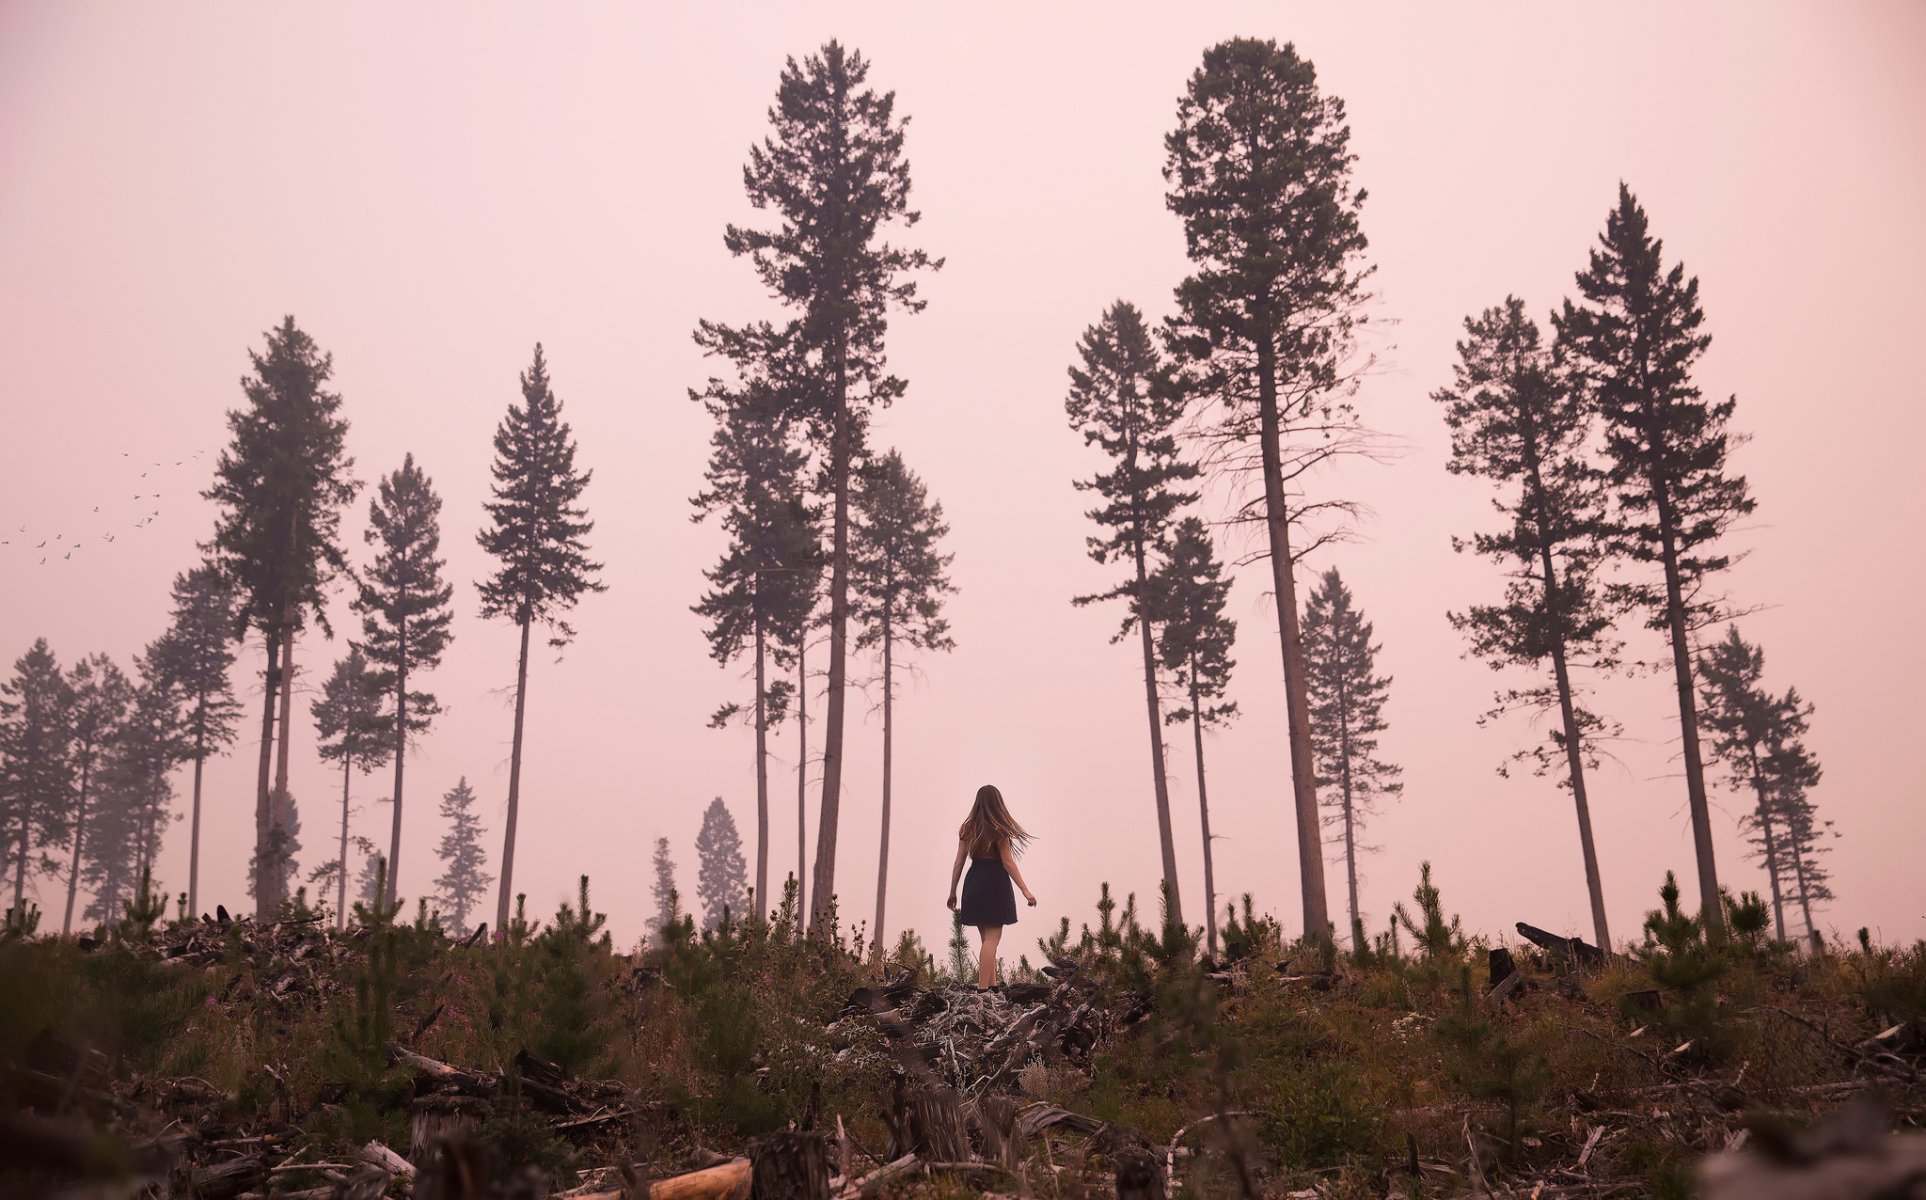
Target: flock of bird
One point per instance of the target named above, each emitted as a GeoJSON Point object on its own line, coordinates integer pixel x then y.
{"type": "Point", "coordinates": [59, 544]}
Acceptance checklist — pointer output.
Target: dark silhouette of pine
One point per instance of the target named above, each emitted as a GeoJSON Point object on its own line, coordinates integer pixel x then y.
{"type": "Point", "coordinates": [1795, 772]}
{"type": "Point", "coordinates": [280, 484]}
{"type": "Point", "coordinates": [1119, 401]}
{"type": "Point", "coordinates": [404, 615]}
{"type": "Point", "coordinates": [101, 698]}
{"type": "Point", "coordinates": [762, 590]}
{"type": "Point", "coordinates": [36, 764]}
{"type": "Point", "coordinates": [462, 885]}
{"type": "Point", "coordinates": [537, 532]}
{"type": "Point", "coordinates": [1633, 340]}
{"type": "Point", "coordinates": [356, 731]}
{"type": "Point", "coordinates": [1194, 640]}
{"type": "Point", "coordinates": [898, 578]}
{"type": "Point", "coordinates": [200, 650]}
{"type": "Point", "coordinates": [1347, 698]}
{"type": "Point", "coordinates": [153, 741]}
{"type": "Point", "coordinates": [1259, 170]}
{"type": "Point", "coordinates": [1758, 736]}
{"type": "Point", "coordinates": [1517, 420]}
{"type": "Point", "coordinates": [832, 173]}
{"type": "Point", "coordinates": [663, 892]}
{"type": "Point", "coordinates": [722, 881]}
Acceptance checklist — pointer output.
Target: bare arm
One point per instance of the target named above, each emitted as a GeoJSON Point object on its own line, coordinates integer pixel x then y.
{"type": "Point", "coordinates": [956, 868]}
{"type": "Point", "coordinates": [1009, 864]}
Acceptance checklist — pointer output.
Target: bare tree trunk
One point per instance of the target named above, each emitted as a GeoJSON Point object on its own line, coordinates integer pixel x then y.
{"type": "Point", "coordinates": [341, 884]}
{"type": "Point", "coordinates": [1166, 843]}
{"type": "Point", "coordinates": [194, 829]}
{"type": "Point", "coordinates": [263, 803]}
{"type": "Point", "coordinates": [802, 772]}
{"type": "Point", "coordinates": [1203, 812]}
{"type": "Point", "coordinates": [284, 735]}
{"type": "Point", "coordinates": [762, 763]}
{"type": "Point", "coordinates": [401, 757]}
{"type": "Point", "coordinates": [825, 882]}
{"type": "Point", "coordinates": [1711, 911]}
{"type": "Point", "coordinates": [1799, 879]}
{"type": "Point", "coordinates": [73, 870]}
{"type": "Point", "coordinates": [514, 785]}
{"type": "Point", "coordinates": [1350, 818]}
{"type": "Point", "coordinates": [1771, 848]}
{"type": "Point", "coordinates": [1310, 843]}
{"type": "Point", "coordinates": [882, 858]}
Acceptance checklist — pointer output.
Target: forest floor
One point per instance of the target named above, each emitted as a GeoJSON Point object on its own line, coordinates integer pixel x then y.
{"type": "Point", "coordinates": [291, 1058]}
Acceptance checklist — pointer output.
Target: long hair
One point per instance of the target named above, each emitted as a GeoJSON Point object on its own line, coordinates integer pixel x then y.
{"type": "Point", "coordinates": [990, 822]}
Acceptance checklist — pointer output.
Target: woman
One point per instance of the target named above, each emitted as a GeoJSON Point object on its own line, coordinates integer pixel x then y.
{"type": "Point", "coordinates": [991, 840]}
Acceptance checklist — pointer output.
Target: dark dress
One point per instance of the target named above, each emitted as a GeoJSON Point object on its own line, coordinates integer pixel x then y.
{"type": "Point", "coordinates": [989, 898]}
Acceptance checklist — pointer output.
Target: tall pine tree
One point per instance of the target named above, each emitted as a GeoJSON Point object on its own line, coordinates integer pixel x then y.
{"type": "Point", "coordinates": [1194, 640]}
{"type": "Point", "coordinates": [722, 882]}
{"type": "Point", "coordinates": [1347, 714]}
{"type": "Point", "coordinates": [663, 892]}
{"type": "Point", "coordinates": [1259, 170]}
{"type": "Point", "coordinates": [1517, 421]}
{"type": "Point", "coordinates": [1635, 338]}
{"type": "Point", "coordinates": [102, 697]}
{"type": "Point", "coordinates": [200, 649]}
{"type": "Point", "coordinates": [538, 535]}
{"type": "Point", "coordinates": [405, 615]}
{"type": "Point", "coordinates": [153, 741]}
{"type": "Point", "coordinates": [898, 578]}
{"type": "Point", "coordinates": [1119, 401]}
{"type": "Point", "coordinates": [281, 483]}
{"type": "Point", "coordinates": [463, 885]}
{"type": "Point", "coordinates": [356, 731]}
{"type": "Point", "coordinates": [833, 174]}
{"type": "Point", "coordinates": [36, 765]}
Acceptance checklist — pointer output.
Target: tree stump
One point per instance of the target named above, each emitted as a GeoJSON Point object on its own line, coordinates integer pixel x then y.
{"type": "Point", "coordinates": [789, 1166]}
{"type": "Point", "coordinates": [1501, 966]}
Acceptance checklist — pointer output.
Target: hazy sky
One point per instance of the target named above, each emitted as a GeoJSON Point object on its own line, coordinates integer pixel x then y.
{"type": "Point", "coordinates": [430, 189]}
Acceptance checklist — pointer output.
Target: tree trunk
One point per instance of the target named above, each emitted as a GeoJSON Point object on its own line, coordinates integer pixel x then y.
{"type": "Point", "coordinates": [802, 770]}
{"type": "Point", "coordinates": [1771, 849]}
{"type": "Point", "coordinates": [80, 829]}
{"type": "Point", "coordinates": [514, 786]}
{"type": "Point", "coordinates": [341, 884]}
{"type": "Point", "coordinates": [882, 857]}
{"type": "Point", "coordinates": [1799, 878]}
{"type": "Point", "coordinates": [1166, 843]}
{"type": "Point", "coordinates": [20, 867]}
{"type": "Point", "coordinates": [1203, 812]}
{"type": "Point", "coordinates": [263, 803]}
{"type": "Point", "coordinates": [762, 763]}
{"type": "Point", "coordinates": [194, 828]}
{"type": "Point", "coordinates": [1710, 909]}
{"type": "Point", "coordinates": [280, 799]}
{"type": "Point", "coordinates": [825, 882]}
{"type": "Point", "coordinates": [401, 758]}
{"type": "Point", "coordinates": [1350, 816]}
{"type": "Point", "coordinates": [1310, 843]}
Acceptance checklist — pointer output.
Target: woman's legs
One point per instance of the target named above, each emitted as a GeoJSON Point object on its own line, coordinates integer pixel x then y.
{"type": "Point", "coordinates": [986, 958]}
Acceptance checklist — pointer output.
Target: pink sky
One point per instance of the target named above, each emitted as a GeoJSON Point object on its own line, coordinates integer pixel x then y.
{"type": "Point", "coordinates": [431, 189]}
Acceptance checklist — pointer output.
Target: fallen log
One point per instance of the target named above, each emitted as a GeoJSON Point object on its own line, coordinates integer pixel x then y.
{"type": "Point", "coordinates": [1575, 950]}
{"type": "Point", "coordinates": [729, 1181]}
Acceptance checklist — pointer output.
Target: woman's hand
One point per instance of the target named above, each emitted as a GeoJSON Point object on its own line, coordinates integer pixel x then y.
{"type": "Point", "coordinates": [953, 901]}
{"type": "Point", "coordinates": [1028, 895]}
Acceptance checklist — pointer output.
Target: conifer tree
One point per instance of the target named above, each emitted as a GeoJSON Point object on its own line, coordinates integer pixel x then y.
{"type": "Point", "coordinates": [355, 731]}
{"type": "Point", "coordinates": [405, 615]}
{"type": "Point", "coordinates": [281, 483]}
{"type": "Point", "coordinates": [1120, 403]}
{"type": "Point", "coordinates": [1517, 420]}
{"type": "Point", "coordinates": [1794, 772]}
{"type": "Point", "coordinates": [1194, 640]}
{"type": "Point", "coordinates": [663, 891]}
{"type": "Point", "coordinates": [36, 765]}
{"type": "Point", "coordinates": [762, 589]}
{"type": "Point", "coordinates": [537, 533]}
{"type": "Point", "coordinates": [898, 578]}
{"type": "Point", "coordinates": [833, 175]}
{"type": "Point", "coordinates": [463, 885]}
{"type": "Point", "coordinates": [200, 649]}
{"type": "Point", "coordinates": [1347, 715]}
{"type": "Point", "coordinates": [153, 741]}
{"type": "Point", "coordinates": [1635, 339]}
{"type": "Point", "coordinates": [370, 884]}
{"type": "Point", "coordinates": [1259, 170]}
{"type": "Point", "coordinates": [722, 882]}
{"type": "Point", "coordinates": [101, 699]}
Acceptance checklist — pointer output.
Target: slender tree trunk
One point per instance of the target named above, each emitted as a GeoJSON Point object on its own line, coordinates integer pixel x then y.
{"type": "Point", "coordinates": [1203, 813]}
{"type": "Point", "coordinates": [514, 785]}
{"type": "Point", "coordinates": [341, 884]}
{"type": "Point", "coordinates": [1166, 843]}
{"type": "Point", "coordinates": [825, 882]}
{"type": "Point", "coordinates": [20, 865]}
{"type": "Point", "coordinates": [882, 858]}
{"type": "Point", "coordinates": [282, 800]}
{"type": "Point", "coordinates": [194, 827]}
{"type": "Point", "coordinates": [1350, 817]}
{"type": "Point", "coordinates": [401, 756]}
{"type": "Point", "coordinates": [263, 802]}
{"type": "Point", "coordinates": [1310, 844]}
{"type": "Point", "coordinates": [80, 829]}
{"type": "Point", "coordinates": [762, 763]}
{"type": "Point", "coordinates": [1799, 880]}
{"type": "Point", "coordinates": [802, 771]}
{"type": "Point", "coordinates": [1711, 911]}
{"type": "Point", "coordinates": [1771, 847]}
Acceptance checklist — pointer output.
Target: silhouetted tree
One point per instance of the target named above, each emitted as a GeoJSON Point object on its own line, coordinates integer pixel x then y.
{"type": "Point", "coordinates": [36, 764]}
{"type": "Point", "coordinates": [537, 533]}
{"type": "Point", "coordinates": [355, 731]}
{"type": "Point", "coordinates": [1259, 170]}
{"type": "Point", "coordinates": [463, 884]}
{"type": "Point", "coordinates": [1347, 715]}
{"type": "Point", "coordinates": [898, 577]}
{"type": "Point", "coordinates": [280, 484]}
{"type": "Point", "coordinates": [1794, 772]}
{"type": "Point", "coordinates": [405, 614]}
{"type": "Point", "coordinates": [153, 741]}
{"type": "Point", "coordinates": [101, 699]}
{"type": "Point", "coordinates": [833, 174]}
{"type": "Point", "coordinates": [1194, 640]}
{"type": "Point", "coordinates": [722, 882]}
{"type": "Point", "coordinates": [1119, 402]}
{"type": "Point", "coordinates": [1634, 341]}
{"type": "Point", "coordinates": [368, 885]}
{"type": "Point", "coordinates": [200, 649]}
{"type": "Point", "coordinates": [1517, 420]}
{"type": "Point", "coordinates": [663, 890]}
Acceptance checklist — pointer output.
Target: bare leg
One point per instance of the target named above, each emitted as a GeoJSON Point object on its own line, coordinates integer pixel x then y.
{"type": "Point", "coordinates": [986, 960]}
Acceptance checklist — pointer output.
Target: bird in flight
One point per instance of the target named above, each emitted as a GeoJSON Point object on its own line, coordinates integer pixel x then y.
{"type": "Point", "coordinates": [42, 545]}
{"type": "Point", "coordinates": [69, 554]}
